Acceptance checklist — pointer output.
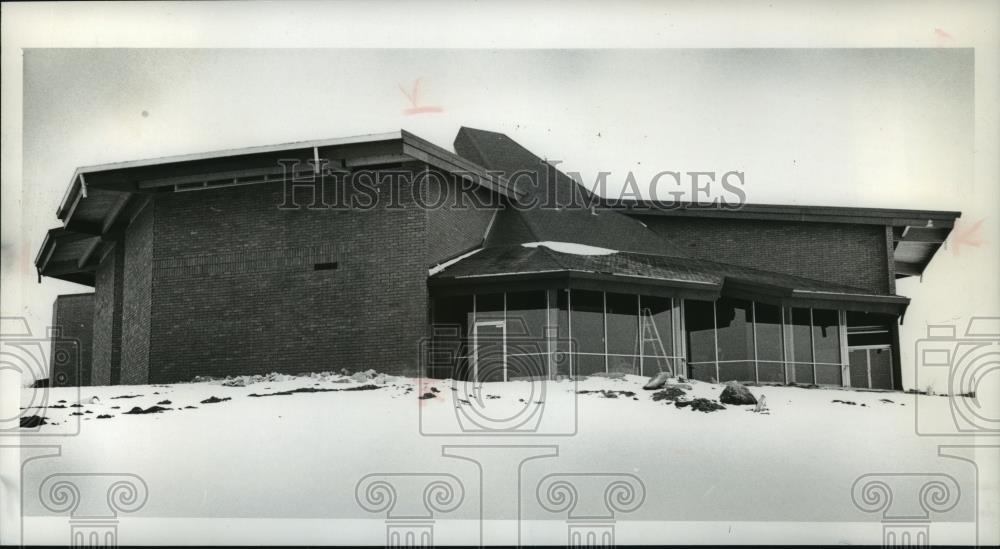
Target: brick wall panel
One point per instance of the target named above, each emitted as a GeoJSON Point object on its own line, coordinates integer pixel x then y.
{"type": "Point", "coordinates": [234, 290]}
{"type": "Point", "coordinates": [854, 255]}
{"type": "Point", "coordinates": [70, 363]}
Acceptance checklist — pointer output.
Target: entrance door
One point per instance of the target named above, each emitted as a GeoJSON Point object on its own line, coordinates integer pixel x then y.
{"type": "Point", "coordinates": [871, 367]}
{"type": "Point", "coordinates": [489, 359]}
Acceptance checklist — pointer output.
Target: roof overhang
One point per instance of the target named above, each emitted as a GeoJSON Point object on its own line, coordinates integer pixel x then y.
{"type": "Point", "coordinates": [101, 200]}
{"type": "Point", "coordinates": [916, 234]}
{"type": "Point", "coordinates": [95, 190]}
{"type": "Point", "coordinates": [730, 287]}
{"type": "Point", "coordinates": [69, 256]}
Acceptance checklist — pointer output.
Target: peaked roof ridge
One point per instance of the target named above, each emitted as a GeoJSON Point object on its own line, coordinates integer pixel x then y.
{"type": "Point", "coordinates": [474, 137]}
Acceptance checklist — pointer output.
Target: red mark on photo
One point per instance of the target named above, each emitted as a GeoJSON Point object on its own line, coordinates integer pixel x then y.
{"type": "Point", "coordinates": [414, 97]}
{"type": "Point", "coordinates": [940, 33]}
{"type": "Point", "coordinates": [966, 235]}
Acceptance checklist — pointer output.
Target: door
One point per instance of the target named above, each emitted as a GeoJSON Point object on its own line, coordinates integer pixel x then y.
{"type": "Point", "coordinates": [871, 367]}
{"type": "Point", "coordinates": [489, 358]}
{"type": "Point", "coordinates": [858, 359]}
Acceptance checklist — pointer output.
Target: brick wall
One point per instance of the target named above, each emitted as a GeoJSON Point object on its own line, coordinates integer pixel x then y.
{"type": "Point", "coordinates": [108, 288]}
{"type": "Point", "coordinates": [234, 290]}
{"type": "Point", "coordinates": [855, 255]}
{"type": "Point", "coordinates": [70, 361]}
{"type": "Point", "coordinates": [137, 296]}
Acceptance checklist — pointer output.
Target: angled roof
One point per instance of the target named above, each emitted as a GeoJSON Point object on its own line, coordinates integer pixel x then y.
{"type": "Point", "coordinates": [93, 191]}
{"type": "Point", "coordinates": [498, 152]}
{"type": "Point", "coordinates": [917, 234]}
{"type": "Point", "coordinates": [101, 200]}
{"type": "Point", "coordinates": [700, 278]}
{"type": "Point", "coordinates": [596, 227]}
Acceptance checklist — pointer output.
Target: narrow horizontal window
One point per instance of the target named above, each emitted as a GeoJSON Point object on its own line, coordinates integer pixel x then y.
{"type": "Point", "coordinates": [325, 266]}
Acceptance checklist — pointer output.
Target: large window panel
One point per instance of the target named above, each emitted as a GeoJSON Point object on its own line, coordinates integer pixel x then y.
{"type": "Point", "coordinates": [623, 332]}
{"type": "Point", "coordinates": [881, 368]}
{"type": "Point", "coordinates": [626, 364]}
{"type": "Point", "coordinates": [489, 307]}
{"type": "Point", "coordinates": [526, 318]}
{"type": "Point", "coordinates": [623, 324]}
{"type": "Point", "coordinates": [699, 323]}
{"type": "Point", "coordinates": [826, 335]}
{"type": "Point", "coordinates": [526, 344]}
{"type": "Point", "coordinates": [449, 343]}
{"type": "Point", "coordinates": [734, 319]}
{"type": "Point", "coordinates": [656, 327]}
{"type": "Point", "coordinates": [802, 353]}
{"type": "Point", "coordinates": [826, 342]}
{"type": "Point", "coordinates": [770, 343]}
{"type": "Point", "coordinates": [587, 310]}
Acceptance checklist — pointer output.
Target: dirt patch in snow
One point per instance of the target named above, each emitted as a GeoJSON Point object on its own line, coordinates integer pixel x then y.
{"type": "Point", "coordinates": [368, 387]}
{"type": "Point", "coordinates": [608, 393]}
{"type": "Point", "coordinates": [151, 410]}
{"type": "Point", "coordinates": [700, 404]}
{"type": "Point", "coordinates": [669, 393]}
{"type": "Point", "coordinates": [28, 422]}
{"type": "Point", "coordinates": [213, 399]}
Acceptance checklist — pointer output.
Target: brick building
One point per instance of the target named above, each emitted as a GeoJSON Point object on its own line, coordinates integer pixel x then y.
{"type": "Point", "coordinates": [391, 253]}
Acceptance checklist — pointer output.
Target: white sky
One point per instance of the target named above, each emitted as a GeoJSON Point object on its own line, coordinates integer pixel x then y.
{"type": "Point", "coordinates": [850, 127]}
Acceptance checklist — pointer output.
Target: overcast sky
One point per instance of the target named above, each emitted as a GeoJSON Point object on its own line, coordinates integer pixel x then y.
{"type": "Point", "coordinates": [846, 127]}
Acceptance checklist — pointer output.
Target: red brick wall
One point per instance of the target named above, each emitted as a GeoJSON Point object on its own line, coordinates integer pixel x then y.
{"type": "Point", "coordinates": [855, 255]}
{"type": "Point", "coordinates": [234, 290]}
{"type": "Point", "coordinates": [70, 361]}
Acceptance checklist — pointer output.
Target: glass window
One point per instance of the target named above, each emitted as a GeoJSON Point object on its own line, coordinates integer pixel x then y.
{"type": "Point", "coordinates": [734, 319]}
{"type": "Point", "coordinates": [623, 324]}
{"type": "Point", "coordinates": [623, 332]}
{"type": "Point", "coordinates": [802, 346]}
{"type": "Point", "coordinates": [826, 335]}
{"type": "Point", "coordinates": [770, 343]}
{"type": "Point", "coordinates": [657, 326]}
{"type": "Point", "coordinates": [526, 323]}
{"type": "Point", "coordinates": [489, 307]}
{"type": "Point", "coordinates": [880, 363]}
{"type": "Point", "coordinates": [699, 323]}
{"type": "Point", "coordinates": [526, 316]}
{"type": "Point", "coordinates": [656, 334]}
{"type": "Point", "coordinates": [859, 367]}
{"type": "Point", "coordinates": [826, 342]}
{"type": "Point", "coordinates": [449, 345]}
{"type": "Point", "coordinates": [588, 331]}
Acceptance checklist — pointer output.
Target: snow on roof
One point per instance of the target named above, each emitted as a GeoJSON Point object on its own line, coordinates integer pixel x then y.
{"type": "Point", "coordinates": [442, 266]}
{"type": "Point", "coordinates": [571, 248]}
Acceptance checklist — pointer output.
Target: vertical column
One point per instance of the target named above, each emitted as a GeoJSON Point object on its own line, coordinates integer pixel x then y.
{"type": "Point", "coordinates": [106, 358]}
{"type": "Point", "coordinates": [552, 330]}
{"type": "Point", "coordinates": [116, 319]}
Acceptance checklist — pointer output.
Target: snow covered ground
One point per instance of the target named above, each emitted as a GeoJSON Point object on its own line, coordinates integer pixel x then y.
{"type": "Point", "coordinates": [300, 449]}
